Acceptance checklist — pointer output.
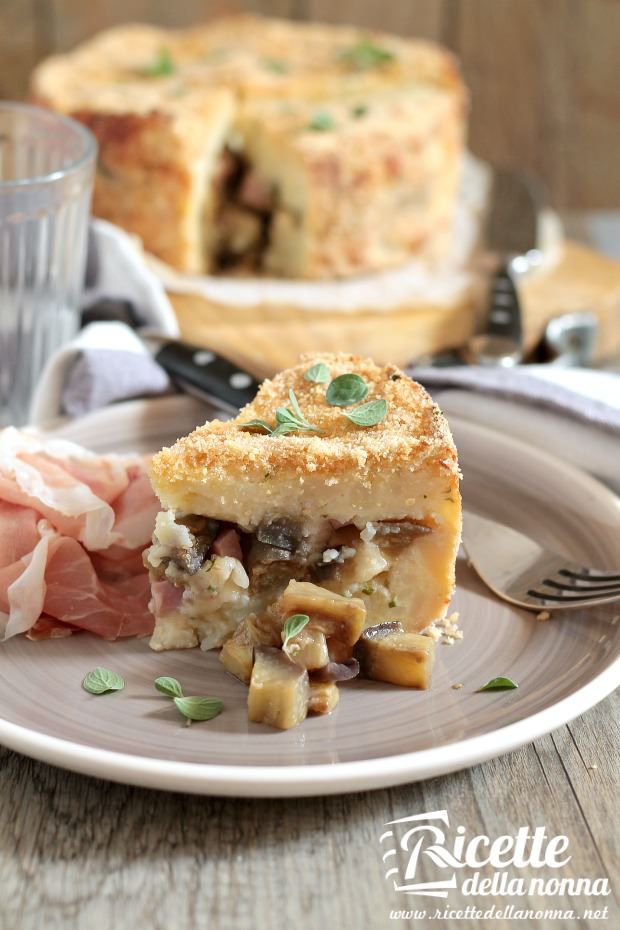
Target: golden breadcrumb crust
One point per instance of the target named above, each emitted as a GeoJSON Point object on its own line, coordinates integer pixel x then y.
{"type": "Point", "coordinates": [414, 434]}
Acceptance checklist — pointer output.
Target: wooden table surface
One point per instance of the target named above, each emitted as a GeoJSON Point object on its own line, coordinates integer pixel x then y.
{"type": "Point", "coordinates": [82, 854]}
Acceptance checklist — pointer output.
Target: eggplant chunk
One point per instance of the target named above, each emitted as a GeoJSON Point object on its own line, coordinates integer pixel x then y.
{"type": "Point", "coordinates": [308, 649]}
{"type": "Point", "coordinates": [396, 534]}
{"type": "Point", "coordinates": [340, 618]}
{"type": "Point", "coordinates": [324, 696]}
{"type": "Point", "coordinates": [238, 658]}
{"type": "Point", "coordinates": [396, 657]}
{"type": "Point", "coordinates": [336, 671]}
{"type": "Point", "coordinates": [279, 690]}
{"type": "Point", "coordinates": [237, 653]}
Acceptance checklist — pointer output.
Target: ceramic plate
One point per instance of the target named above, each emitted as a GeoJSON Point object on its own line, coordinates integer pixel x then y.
{"type": "Point", "coordinates": [380, 735]}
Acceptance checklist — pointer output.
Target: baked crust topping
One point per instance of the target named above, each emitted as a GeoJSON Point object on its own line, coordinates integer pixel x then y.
{"type": "Point", "coordinates": [369, 512]}
{"type": "Point", "coordinates": [413, 434]}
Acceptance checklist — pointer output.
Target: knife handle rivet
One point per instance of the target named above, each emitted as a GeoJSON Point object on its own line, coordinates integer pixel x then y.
{"type": "Point", "coordinates": [505, 300]}
{"type": "Point", "coordinates": [240, 379]}
{"type": "Point", "coordinates": [520, 264]}
{"type": "Point", "coordinates": [203, 357]}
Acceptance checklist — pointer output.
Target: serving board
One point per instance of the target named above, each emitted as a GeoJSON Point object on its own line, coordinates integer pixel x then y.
{"type": "Point", "coordinates": [266, 337]}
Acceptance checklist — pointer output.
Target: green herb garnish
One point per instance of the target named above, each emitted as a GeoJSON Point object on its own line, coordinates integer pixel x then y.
{"type": "Point", "coordinates": [499, 684]}
{"type": "Point", "coordinates": [392, 602]}
{"type": "Point", "coordinates": [162, 65]}
{"type": "Point", "coordinates": [102, 680]}
{"type": "Point", "coordinates": [257, 424]}
{"type": "Point", "coordinates": [168, 686]}
{"type": "Point", "coordinates": [321, 121]}
{"type": "Point", "coordinates": [199, 708]}
{"type": "Point", "coordinates": [368, 414]}
{"type": "Point", "coordinates": [288, 420]}
{"type": "Point", "coordinates": [275, 65]}
{"type": "Point", "coordinates": [318, 374]}
{"type": "Point", "coordinates": [291, 419]}
{"type": "Point", "coordinates": [217, 54]}
{"type": "Point", "coordinates": [359, 110]}
{"type": "Point", "coordinates": [365, 55]}
{"type": "Point", "coordinates": [346, 390]}
{"type": "Point", "coordinates": [293, 626]}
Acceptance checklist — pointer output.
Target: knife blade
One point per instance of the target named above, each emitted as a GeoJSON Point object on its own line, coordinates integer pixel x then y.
{"type": "Point", "coordinates": [512, 236]}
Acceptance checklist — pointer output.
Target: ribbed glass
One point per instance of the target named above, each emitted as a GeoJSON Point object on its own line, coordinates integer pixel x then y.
{"type": "Point", "coordinates": [46, 174]}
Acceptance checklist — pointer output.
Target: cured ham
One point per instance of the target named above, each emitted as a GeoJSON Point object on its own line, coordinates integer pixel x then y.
{"type": "Point", "coordinates": [73, 526]}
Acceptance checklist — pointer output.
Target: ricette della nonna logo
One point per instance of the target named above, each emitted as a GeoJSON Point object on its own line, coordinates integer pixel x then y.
{"type": "Point", "coordinates": [422, 845]}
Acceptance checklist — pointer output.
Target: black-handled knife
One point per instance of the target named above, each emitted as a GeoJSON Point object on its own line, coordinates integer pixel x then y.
{"type": "Point", "coordinates": [194, 369]}
{"type": "Point", "coordinates": [208, 375]}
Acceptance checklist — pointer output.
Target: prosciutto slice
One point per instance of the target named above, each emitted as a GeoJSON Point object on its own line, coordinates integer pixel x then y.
{"type": "Point", "coordinates": [73, 526]}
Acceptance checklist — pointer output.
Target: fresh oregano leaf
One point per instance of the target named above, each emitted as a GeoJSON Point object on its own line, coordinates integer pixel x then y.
{"type": "Point", "coordinates": [288, 420]}
{"type": "Point", "coordinates": [283, 428]}
{"type": "Point", "coordinates": [162, 66]}
{"type": "Point", "coordinates": [295, 407]}
{"type": "Point", "coordinates": [368, 414]}
{"type": "Point", "coordinates": [257, 424]}
{"type": "Point", "coordinates": [275, 65]}
{"type": "Point", "coordinates": [291, 419]}
{"type": "Point", "coordinates": [321, 121]}
{"type": "Point", "coordinates": [318, 374]}
{"type": "Point", "coordinates": [199, 708]}
{"type": "Point", "coordinates": [293, 626]}
{"type": "Point", "coordinates": [346, 390]}
{"type": "Point", "coordinates": [102, 680]}
{"type": "Point", "coordinates": [499, 684]}
{"type": "Point", "coordinates": [365, 54]}
{"type": "Point", "coordinates": [169, 686]}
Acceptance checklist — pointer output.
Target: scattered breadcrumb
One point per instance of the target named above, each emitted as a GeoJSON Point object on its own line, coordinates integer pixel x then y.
{"type": "Point", "coordinates": [445, 630]}
{"type": "Point", "coordinates": [592, 768]}
{"type": "Point", "coordinates": [543, 615]}
{"type": "Point", "coordinates": [457, 685]}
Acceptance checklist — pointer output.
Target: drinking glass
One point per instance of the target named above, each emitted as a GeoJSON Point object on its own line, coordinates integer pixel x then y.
{"type": "Point", "coordinates": [46, 175]}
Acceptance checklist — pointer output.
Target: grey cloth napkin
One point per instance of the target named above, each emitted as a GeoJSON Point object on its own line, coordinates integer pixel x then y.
{"type": "Point", "coordinates": [589, 396]}
{"type": "Point", "coordinates": [99, 377]}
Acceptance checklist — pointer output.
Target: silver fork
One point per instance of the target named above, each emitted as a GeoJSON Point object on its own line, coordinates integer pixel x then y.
{"type": "Point", "coordinates": [518, 570]}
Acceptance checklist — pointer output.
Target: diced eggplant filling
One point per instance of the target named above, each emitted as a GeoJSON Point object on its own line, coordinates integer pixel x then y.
{"type": "Point", "coordinates": [280, 549]}
{"type": "Point", "coordinates": [202, 534]}
{"type": "Point", "coordinates": [396, 534]}
{"type": "Point", "coordinates": [243, 217]}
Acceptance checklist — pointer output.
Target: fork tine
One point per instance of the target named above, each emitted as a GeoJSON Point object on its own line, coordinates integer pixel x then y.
{"type": "Point", "coordinates": [585, 575]}
{"type": "Point", "coordinates": [573, 599]}
{"type": "Point", "coordinates": [577, 588]}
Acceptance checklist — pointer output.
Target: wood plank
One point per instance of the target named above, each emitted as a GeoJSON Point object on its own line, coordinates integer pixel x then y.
{"type": "Point", "coordinates": [87, 854]}
{"type": "Point", "coordinates": [423, 18]}
{"type": "Point", "coordinates": [75, 20]}
{"type": "Point", "coordinates": [513, 60]}
{"type": "Point", "coordinates": [21, 46]}
{"type": "Point", "coordinates": [267, 338]}
{"type": "Point", "coordinates": [590, 143]}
